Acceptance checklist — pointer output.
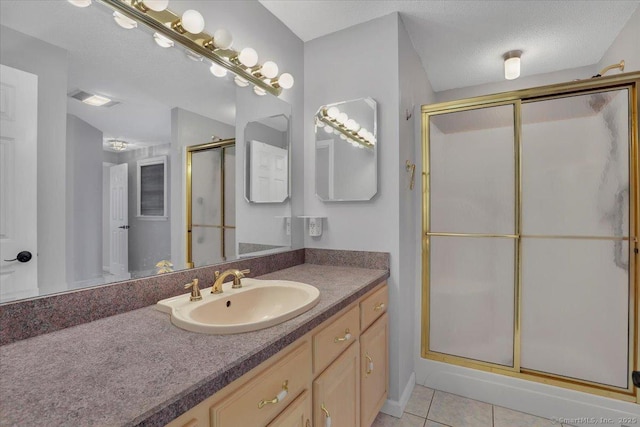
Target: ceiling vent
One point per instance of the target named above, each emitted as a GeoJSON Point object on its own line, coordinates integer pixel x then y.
{"type": "Point", "coordinates": [92, 99]}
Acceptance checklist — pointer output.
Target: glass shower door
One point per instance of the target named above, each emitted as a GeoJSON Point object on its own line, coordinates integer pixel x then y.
{"type": "Point", "coordinates": [472, 234]}
{"type": "Point", "coordinates": [575, 237]}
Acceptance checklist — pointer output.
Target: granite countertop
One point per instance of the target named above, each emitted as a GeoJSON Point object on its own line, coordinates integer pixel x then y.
{"type": "Point", "coordinates": [136, 368]}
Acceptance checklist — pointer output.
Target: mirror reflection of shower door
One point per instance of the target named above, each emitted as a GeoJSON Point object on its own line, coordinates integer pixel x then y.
{"type": "Point", "coordinates": [472, 234]}
{"type": "Point", "coordinates": [211, 202]}
{"type": "Point", "coordinates": [575, 237]}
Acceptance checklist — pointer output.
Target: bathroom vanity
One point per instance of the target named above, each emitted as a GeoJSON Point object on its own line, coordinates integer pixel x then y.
{"type": "Point", "coordinates": [136, 368]}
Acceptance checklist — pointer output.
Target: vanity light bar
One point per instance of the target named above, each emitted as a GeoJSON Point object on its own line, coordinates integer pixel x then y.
{"type": "Point", "coordinates": [338, 121]}
{"type": "Point", "coordinates": [216, 48]}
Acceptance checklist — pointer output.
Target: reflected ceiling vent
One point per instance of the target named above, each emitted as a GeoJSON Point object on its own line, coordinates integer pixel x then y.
{"type": "Point", "coordinates": [92, 99]}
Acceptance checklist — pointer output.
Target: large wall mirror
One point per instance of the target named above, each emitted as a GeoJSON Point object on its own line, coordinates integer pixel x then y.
{"type": "Point", "coordinates": [97, 121]}
{"type": "Point", "coordinates": [346, 151]}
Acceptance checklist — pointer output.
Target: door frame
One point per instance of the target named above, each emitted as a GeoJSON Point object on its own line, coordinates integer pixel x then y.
{"type": "Point", "coordinates": [516, 98]}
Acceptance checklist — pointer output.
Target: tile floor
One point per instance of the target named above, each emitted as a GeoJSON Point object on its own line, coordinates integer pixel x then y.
{"type": "Point", "coordinates": [429, 408]}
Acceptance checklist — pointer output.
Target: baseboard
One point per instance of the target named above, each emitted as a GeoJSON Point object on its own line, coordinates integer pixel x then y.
{"type": "Point", "coordinates": [556, 403]}
{"type": "Point", "coordinates": [396, 408]}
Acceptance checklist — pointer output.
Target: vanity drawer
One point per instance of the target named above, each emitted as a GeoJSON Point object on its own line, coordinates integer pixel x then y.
{"type": "Point", "coordinates": [241, 408]}
{"type": "Point", "coordinates": [373, 307]}
{"type": "Point", "coordinates": [335, 338]}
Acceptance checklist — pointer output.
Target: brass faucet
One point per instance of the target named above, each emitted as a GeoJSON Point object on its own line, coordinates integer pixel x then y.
{"type": "Point", "coordinates": [195, 290]}
{"type": "Point", "coordinates": [237, 275]}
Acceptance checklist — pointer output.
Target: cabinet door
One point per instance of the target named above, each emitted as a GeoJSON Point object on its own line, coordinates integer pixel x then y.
{"type": "Point", "coordinates": [298, 414]}
{"type": "Point", "coordinates": [336, 393]}
{"type": "Point", "coordinates": [374, 370]}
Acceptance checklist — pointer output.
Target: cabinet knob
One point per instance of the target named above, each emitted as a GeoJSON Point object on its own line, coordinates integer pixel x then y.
{"type": "Point", "coordinates": [369, 364]}
{"type": "Point", "coordinates": [378, 307]}
{"type": "Point", "coordinates": [327, 415]}
{"type": "Point", "coordinates": [346, 337]}
{"type": "Point", "coordinates": [279, 398]}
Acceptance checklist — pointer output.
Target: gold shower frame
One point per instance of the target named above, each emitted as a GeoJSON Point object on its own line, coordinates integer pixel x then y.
{"type": "Point", "coordinates": [224, 144]}
{"type": "Point", "coordinates": [629, 81]}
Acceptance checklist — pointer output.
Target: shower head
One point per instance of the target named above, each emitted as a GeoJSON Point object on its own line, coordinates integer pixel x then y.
{"type": "Point", "coordinates": [597, 101]}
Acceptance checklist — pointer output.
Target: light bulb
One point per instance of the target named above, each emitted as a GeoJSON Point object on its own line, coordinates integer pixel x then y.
{"type": "Point", "coordinates": [217, 70]}
{"type": "Point", "coordinates": [328, 129]}
{"type": "Point", "coordinates": [80, 3]}
{"type": "Point", "coordinates": [241, 82]}
{"type": "Point", "coordinates": [362, 132]}
{"type": "Point", "coordinates": [319, 123]}
{"type": "Point", "coordinates": [156, 5]}
{"type": "Point", "coordinates": [269, 69]}
{"type": "Point", "coordinates": [285, 81]}
{"type": "Point", "coordinates": [193, 56]}
{"type": "Point", "coordinates": [248, 57]}
{"type": "Point", "coordinates": [512, 68]}
{"type": "Point", "coordinates": [351, 124]}
{"type": "Point", "coordinates": [222, 39]}
{"type": "Point", "coordinates": [343, 136]}
{"type": "Point", "coordinates": [337, 132]}
{"type": "Point", "coordinates": [342, 118]}
{"type": "Point", "coordinates": [162, 41]}
{"type": "Point", "coordinates": [333, 112]}
{"type": "Point", "coordinates": [359, 145]}
{"type": "Point", "coordinates": [123, 21]}
{"type": "Point", "coordinates": [259, 91]}
{"type": "Point", "coordinates": [192, 21]}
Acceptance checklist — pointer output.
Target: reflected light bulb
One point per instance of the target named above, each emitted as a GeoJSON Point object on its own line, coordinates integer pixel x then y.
{"type": "Point", "coordinates": [217, 70]}
{"type": "Point", "coordinates": [350, 124]}
{"type": "Point", "coordinates": [222, 39]}
{"type": "Point", "coordinates": [285, 81]}
{"type": "Point", "coordinates": [269, 69]}
{"type": "Point", "coordinates": [362, 132]}
{"type": "Point", "coordinates": [80, 3]}
{"type": "Point", "coordinates": [343, 136]}
{"type": "Point", "coordinates": [123, 21]}
{"type": "Point", "coordinates": [162, 41]}
{"type": "Point", "coordinates": [328, 129]}
{"type": "Point", "coordinates": [248, 57]}
{"type": "Point", "coordinates": [259, 91]}
{"type": "Point", "coordinates": [333, 112]}
{"type": "Point", "coordinates": [319, 123]}
{"type": "Point", "coordinates": [192, 21]}
{"type": "Point", "coordinates": [156, 5]}
{"type": "Point", "coordinates": [241, 82]}
{"type": "Point", "coordinates": [342, 118]}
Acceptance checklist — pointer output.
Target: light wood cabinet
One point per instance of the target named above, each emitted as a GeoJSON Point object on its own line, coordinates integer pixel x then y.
{"type": "Point", "coordinates": [374, 374]}
{"type": "Point", "coordinates": [334, 370]}
{"type": "Point", "coordinates": [297, 414]}
{"type": "Point", "coordinates": [336, 392]}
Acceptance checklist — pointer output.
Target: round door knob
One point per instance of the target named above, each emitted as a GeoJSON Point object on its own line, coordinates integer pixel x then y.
{"type": "Point", "coordinates": [24, 256]}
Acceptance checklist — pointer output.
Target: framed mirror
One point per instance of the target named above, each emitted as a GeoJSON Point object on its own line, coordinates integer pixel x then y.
{"type": "Point", "coordinates": [267, 160]}
{"type": "Point", "coordinates": [99, 105]}
{"type": "Point", "coordinates": [346, 155]}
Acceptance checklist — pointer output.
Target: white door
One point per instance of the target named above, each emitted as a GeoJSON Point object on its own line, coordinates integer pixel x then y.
{"type": "Point", "coordinates": [119, 220]}
{"type": "Point", "coordinates": [269, 170]}
{"type": "Point", "coordinates": [18, 183]}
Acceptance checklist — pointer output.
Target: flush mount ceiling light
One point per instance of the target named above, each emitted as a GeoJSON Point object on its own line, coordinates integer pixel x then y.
{"type": "Point", "coordinates": [118, 145]}
{"type": "Point", "coordinates": [187, 30]}
{"type": "Point", "coordinates": [512, 64]}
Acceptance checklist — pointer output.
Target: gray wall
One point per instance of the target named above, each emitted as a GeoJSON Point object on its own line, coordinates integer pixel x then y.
{"type": "Point", "coordinates": [266, 134]}
{"type": "Point", "coordinates": [50, 64]}
{"type": "Point", "coordinates": [149, 240]}
{"type": "Point", "coordinates": [626, 46]}
{"type": "Point", "coordinates": [84, 203]}
{"type": "Point", "coordinates": [187, 129]}
{"type": "Point", "coordinates": [358, 62]}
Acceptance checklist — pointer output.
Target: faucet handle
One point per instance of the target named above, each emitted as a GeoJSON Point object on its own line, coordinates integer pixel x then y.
{"type": "Point", "coordinates": [216, 274]}
{"type": "Point", "coordinates": [246, 271]}
{"type": "Point", "coordinates": [195, 290]}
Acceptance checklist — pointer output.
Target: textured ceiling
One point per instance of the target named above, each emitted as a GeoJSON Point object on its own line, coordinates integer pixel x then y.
{"type": "Point", "coordinates": [124, 65]}
{"type": "Point", "coordinates": [461, 43]}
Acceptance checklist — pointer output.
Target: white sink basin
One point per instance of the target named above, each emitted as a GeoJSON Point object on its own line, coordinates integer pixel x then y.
{"type": "Point", "coordinates": [257, 305]}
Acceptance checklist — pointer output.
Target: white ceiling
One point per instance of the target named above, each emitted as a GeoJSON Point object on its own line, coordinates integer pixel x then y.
{"type": "Point", "coordinates": [461, 43]}
{"type": "Point", "coordinates": [126, 66]}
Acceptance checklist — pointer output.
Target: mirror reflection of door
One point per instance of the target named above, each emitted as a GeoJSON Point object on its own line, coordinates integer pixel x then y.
{"type": "Point", "coordinates": [18, 220]}
{"type": "Point", "coordinates": [269, 168]}
{"type": "Point", "coordinates": [211, 203]}
{"type": "Point", "coordinates": [118, 221]}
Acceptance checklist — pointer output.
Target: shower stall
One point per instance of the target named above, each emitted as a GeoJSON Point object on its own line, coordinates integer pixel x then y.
{"type": "Point", "coordinates": [530, 226]}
